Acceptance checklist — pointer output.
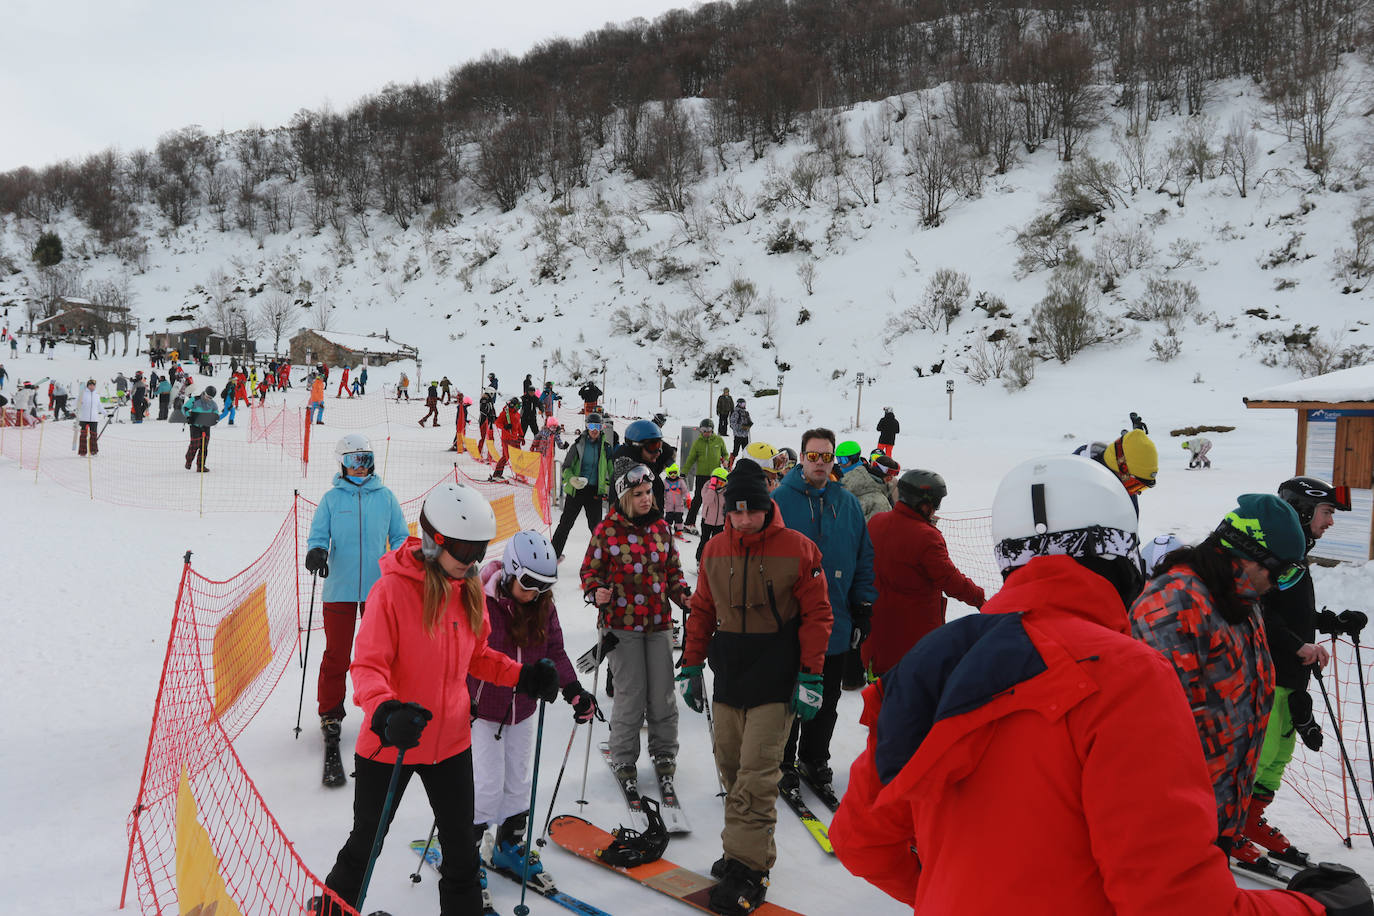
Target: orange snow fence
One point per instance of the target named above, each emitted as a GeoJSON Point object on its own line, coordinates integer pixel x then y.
{"type": "Point", "coordinates": [201, 834]}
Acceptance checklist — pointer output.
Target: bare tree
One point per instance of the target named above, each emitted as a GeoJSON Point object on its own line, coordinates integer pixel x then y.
{"type": "Point", "coordinates": [933, 163]}
{"type": "Point", "coordinates": [876, 161]}
{"type": "Point", "coordinates": [1239, 152]}
{"type": "Point", "coordinates": [115, 299]}
{"type": "Point", "coordinates": [277, 315]}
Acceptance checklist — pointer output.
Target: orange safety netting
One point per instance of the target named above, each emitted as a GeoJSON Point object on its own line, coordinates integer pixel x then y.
{"type": "Point", "coordinates": [1320, 777]}
{"type": "Point", "coordinates": [246, 476]}
{"type": "Point", "coordinates": [200, 832]}
{"type": "Point", "coordinates": [201, 838]}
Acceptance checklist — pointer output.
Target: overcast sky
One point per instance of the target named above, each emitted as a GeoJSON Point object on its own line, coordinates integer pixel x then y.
{"type": "Point", "coordinates": [77, 76]}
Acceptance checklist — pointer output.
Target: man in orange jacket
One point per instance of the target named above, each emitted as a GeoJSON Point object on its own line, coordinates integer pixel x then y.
{"type": "Point", "coordinates": [1042, 721]}
{"type": "Point", "coordinates": [316, 403]}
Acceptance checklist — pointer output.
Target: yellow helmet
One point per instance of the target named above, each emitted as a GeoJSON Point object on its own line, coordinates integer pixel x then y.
{"type": "Point", "coordinates": [1135, 460]}
{"type": "Point", "coordinates": [765, 456]}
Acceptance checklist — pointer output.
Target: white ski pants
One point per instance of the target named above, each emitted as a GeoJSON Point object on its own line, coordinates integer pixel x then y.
{"type": "Point", "coordinates": [501, 769]}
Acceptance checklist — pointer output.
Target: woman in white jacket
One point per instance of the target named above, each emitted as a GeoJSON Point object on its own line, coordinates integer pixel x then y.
{"type": "Point", "coordinates": [89, 413]}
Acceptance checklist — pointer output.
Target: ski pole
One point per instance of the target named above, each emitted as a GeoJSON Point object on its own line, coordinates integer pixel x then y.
{"type": "Point", "coordinates": [381, 827]}
{"type": "Point", "coordinates": [1355, 622]}
{"type": "Point", "coordinates": [711, 727]}
{"type": "Point", "coordinates": [567, 752]}
{"type": "Point", "coordinates": [521, 909]}
{"type": "Point", "coordinates": [309, 625]}
{"type": "Point", "coordinates": [1340, 742]}
{"type": "Point", "coordinates": [587, 757]}
{"type": "Point", "coordinates": [415, 877]}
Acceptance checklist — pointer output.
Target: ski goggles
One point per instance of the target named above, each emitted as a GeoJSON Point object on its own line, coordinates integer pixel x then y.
{"type": "Point", "coordinates": [468, 552]}
{"type": "Point", "coordinates": [355, 460]}
{"type": "Point", "coordinates": [1285, 574]}
{"type": "Point", "coordinates": [593, 427]}
{"type": "Point", "coordinates": [633, 477]}
{"type": "Point", "coordinates": [822, 457]}
{"type": "Point", "coordinates": [534, 582]}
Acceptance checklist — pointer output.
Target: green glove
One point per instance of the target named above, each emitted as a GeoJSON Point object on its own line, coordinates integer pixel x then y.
{"type": "Point", "coordinates": [693, 688]}
{"type": "Point", "coordinates": [806, 699]}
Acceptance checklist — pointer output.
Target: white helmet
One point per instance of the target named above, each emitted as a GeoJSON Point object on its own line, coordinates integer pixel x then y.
{"type": "Point", "coordinates": [1155, 551]}
{"type": "Point", "coordinates": [355, 451]}
{"type": "Point", "coordinates": [1062, 504]}
{"type": "Point", "coordinates": [457, 519]}
{"type": "Point", "coordinates": [353, 442]}
{"type": "Point", "coordinates": [529, 559]}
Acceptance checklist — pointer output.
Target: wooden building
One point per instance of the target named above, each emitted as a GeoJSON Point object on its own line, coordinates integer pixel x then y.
{"type": "Point", "coordinates": [337, 348]}
{"type": "Point", "coordinates": [1335, 442]}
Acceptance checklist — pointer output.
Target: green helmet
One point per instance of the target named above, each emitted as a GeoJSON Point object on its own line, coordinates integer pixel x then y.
{"type": "Point", "coordinates": [918, 486]}
{"type": "Point", "coordinates": [721, 473]}
{"type": "Point", "coordinates": [849, 449]}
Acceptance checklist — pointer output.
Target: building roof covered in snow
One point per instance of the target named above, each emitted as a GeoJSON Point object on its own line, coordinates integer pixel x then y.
{"type": "Point", "coordinates": [360, 342]}
{"type": "Point", "coordinates": [1342, 386]}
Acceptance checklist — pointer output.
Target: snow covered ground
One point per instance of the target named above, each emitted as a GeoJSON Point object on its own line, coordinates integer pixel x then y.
{"type": "Point", "coordinates": [91, 587]}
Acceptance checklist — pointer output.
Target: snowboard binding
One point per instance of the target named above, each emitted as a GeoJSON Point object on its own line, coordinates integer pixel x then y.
{"type": "Point", "coordinates": [631, 847]}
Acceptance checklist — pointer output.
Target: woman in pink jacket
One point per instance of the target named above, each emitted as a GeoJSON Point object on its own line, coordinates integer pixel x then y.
{"type": "Point", "coordinates": [424, 632]}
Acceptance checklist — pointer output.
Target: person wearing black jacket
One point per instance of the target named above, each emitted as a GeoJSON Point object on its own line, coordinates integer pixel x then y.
{"type": "Point", "coordinates": [529, 414]}
{"type": "Point", "coordinates": [644, 445]}
{"type": "Point", "coordinates": [888, 428]}
{"type": "Point", "coordinates": [1290, 624]}
{"type": "Point", "coordinates": [590, 395]}
{"type": "Point", "coordinates": [724, 404]}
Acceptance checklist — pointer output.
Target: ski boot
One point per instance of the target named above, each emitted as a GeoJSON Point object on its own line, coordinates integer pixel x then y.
{"type": "Point", "coordinates": [789, 781]}
{"type": "Point", "coordinates": [333, 763]}
{"type": "Point", "coordinates": [509, 852]}
{"type": "Point", "coordinates": [1250, 857]}
{"type": "Point", "coordinates": [1268, 837]}
{"type": "Point", "coordinates": [665, 765]}
{"type": "Point", "coordinates": [740, 891]}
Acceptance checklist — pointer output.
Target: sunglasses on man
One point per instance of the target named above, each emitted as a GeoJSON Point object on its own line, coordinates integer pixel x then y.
{"type": "Point", "coordinates": [822, 457]}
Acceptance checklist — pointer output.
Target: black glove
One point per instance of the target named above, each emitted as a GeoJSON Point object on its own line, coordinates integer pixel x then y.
{"type": "Point", "coordinates": [1352, 622]}
{"type": "Point", "coordinates": [399, 724]}
{"type": "Point", "coordinates": [1300, 709]}
{"type": "Point", "coordinates": [317, 560]}
{"type": "Point", "coordinates": [583, 703]}
{"type": "Point", "coordinates": [539, 680]}
{"type": "Point", "coordinates": [1328, 623]}
{"type": "Point", "coordinates": [1337, 887]}
{"type": "Point", "coordinates": [861, 615]}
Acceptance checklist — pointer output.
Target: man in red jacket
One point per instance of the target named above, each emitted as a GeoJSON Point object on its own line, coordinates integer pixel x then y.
{"type": "Point", "coordinates": [512, 435]}
{"type": "Point", "coordinates": [1042, 721]}
{"type": "Point", "coordinates": [912, 571]}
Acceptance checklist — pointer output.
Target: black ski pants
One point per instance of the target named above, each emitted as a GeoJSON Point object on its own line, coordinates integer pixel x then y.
{"type": "Point", "coordinates": [162, 400]}
{"type": "Point", "coordinates": [692, 510]}
{"type": "Point", "coordinates": [584, 500]}
{"type": "Point", "coordinates": [810, 741]}
{"type": "Point", "coordinates": [448, 784]}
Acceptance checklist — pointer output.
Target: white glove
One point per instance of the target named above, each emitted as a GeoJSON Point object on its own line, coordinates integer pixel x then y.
{"type": "Point", "coordinates": [578, 482]}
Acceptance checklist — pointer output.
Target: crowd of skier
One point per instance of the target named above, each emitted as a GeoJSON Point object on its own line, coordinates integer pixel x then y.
{"type": "Point", "coordinates": [1134, 710]}
{"type": "Point", "coordinates": [1135, 714]}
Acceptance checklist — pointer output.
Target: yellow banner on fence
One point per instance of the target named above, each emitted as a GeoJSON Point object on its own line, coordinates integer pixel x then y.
{"type": "Point", "coordinates": [200, 889]}
{"type": "Point", "coordinates": [242, 648]}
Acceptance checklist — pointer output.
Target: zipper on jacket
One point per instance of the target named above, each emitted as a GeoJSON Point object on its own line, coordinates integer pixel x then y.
{"type": "Point", "coordinates": [744, 593]}
{"type": "Point", "coordinates": [360, 545]}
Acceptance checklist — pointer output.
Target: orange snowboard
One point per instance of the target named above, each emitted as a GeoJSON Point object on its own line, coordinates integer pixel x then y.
{"type": "Point", "coordinates": [582, 838]}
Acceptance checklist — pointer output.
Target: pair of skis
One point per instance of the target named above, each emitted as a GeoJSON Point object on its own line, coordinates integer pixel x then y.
{"type": "Point", "coordinates": [540, 883]}
{"type": "Point", "coordinates": [669, 806]}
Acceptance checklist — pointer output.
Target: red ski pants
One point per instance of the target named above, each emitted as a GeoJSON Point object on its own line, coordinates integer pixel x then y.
{"type": "Point", "coordinates": [340, 620]}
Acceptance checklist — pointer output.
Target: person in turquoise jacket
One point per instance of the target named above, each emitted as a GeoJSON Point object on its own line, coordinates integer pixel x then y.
{"type": "Point", "coordinates": [356, 522]}
{"type": "Point", "coordinates": [827, 513]}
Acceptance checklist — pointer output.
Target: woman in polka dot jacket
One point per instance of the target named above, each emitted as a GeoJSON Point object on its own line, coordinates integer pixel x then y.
{"type": "Point", "coordinates": [631, 572]}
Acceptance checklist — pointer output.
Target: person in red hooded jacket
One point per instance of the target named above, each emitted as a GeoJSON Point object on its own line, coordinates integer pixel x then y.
{"type": "Point", "coordinates": [424, 632]}
{"type": "Point", "coordinates": [912, 572]}
{"type": "Point", "coordinates": [1041, 721]}
{"type": "Point", "coordinates": [512, 435]}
